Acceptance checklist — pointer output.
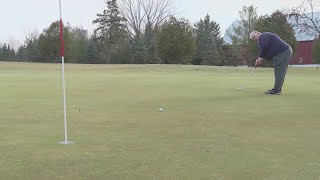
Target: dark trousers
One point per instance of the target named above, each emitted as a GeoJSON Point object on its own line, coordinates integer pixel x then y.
{"type": "Point", "coordinates": [280, 64]}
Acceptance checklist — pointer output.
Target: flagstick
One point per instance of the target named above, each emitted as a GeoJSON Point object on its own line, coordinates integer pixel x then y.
{"type": "Point", "coordinates": [63, 81]}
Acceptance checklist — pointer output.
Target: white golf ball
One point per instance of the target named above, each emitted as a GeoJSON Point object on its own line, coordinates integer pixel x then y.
{"type": "Point", "coordinates": [161, 109]}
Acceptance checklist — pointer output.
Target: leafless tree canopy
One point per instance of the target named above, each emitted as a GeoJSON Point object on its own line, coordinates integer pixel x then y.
{"type": "Point", "coordinates": [304, 17]}
{"type": "Point", "coordinates": [139, 13]}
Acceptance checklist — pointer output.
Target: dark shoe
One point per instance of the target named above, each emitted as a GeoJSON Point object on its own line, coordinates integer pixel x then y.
{"type": "Point", "coordinates": [267, 91]}
{"type": "Point", "coordinates": [273, 92]}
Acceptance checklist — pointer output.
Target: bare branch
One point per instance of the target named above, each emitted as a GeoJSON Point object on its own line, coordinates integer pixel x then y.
{"type": "Point", "coordinates": [141, 12]}
{"type": "Point", "coordinates": [304, 18]}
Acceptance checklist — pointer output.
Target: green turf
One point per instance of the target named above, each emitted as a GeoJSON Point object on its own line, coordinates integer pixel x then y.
{"type": "Point", "coordinates": [208, 129]}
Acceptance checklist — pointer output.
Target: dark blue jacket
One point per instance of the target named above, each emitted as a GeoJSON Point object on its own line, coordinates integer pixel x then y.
{"type": "Point", "coordinates": [271, 45]}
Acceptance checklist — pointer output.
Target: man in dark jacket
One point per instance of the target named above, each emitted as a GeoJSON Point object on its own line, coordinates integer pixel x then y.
{"type": "Point", "coordinates": [273, 48]}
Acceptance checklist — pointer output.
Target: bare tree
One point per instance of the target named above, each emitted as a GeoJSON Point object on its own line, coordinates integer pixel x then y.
{"type": "Point", "coordinates": [139, 13]}
{"type": "Point", "coordinates": [14, 42]}
{"type": "Point", "coordinates": [30, 35]}
{"type": "Point", "coordinates": [305, 18]}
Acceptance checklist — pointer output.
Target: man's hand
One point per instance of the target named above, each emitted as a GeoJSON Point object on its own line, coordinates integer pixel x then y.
{"type": "Point", "coordinates": [258, 61]}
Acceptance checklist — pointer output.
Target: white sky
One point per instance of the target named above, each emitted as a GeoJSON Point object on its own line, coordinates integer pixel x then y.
{"type": "Point", "coordinates": [21, 17]}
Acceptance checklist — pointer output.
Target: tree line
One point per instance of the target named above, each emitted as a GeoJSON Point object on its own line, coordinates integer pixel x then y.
{"type": "Point", "coordinates": [147, 32]}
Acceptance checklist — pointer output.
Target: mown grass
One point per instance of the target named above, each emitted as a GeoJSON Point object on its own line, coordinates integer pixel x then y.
{"type": "Point", "coordinates": [208, 129]}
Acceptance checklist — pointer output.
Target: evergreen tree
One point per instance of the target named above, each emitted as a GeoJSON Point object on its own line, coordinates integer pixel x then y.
{"type": "Point", "coordinates": [208, 42]}
{"type": "Point", "coordinates": [1, 53]}
{"type": "Point", "coordinates": [91, 55]}
{"type": "Point", "coordinates": [32, 49]}
{"type": "Point", "coordinates": [111, 30]}
{"type": "Point", "coordinates": [21, 53]}
{"type": "Point", "coordinates": [138, 49]}
{"type": "Point", "coordinates": [12, 55]}
{"type": "Point", "coordinates": [5, 52]}
{"type": "Point", "coordinates": [150, 45]}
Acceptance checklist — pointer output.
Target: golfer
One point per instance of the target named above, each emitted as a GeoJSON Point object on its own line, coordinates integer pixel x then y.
{"type": "Point", "coordinates": [274, 49]}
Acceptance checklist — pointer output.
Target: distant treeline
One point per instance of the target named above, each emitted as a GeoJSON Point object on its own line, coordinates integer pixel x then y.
{"type": "Point", "coordinates": [156, 36]}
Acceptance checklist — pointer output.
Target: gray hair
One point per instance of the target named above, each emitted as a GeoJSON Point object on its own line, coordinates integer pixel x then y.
{"type": "Point", "coordinates": [253, 33]}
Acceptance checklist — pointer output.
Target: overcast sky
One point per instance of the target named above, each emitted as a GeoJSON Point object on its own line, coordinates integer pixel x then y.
{"type": "Point", "coordinates": [20, 17]}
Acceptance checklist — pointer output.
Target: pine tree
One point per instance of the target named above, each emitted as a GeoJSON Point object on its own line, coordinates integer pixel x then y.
{"type": "Point", "coordinates": [32, 50]}
{"type": "Point", "coordinates": [1, 53]}
{"type": "Point", "coordinates": [91, 55]}
{"type": "Point", "coordinates": [21, 53]}
{"type": "Point", "coordinates": [138, 50]}
{"type": "Point", "coordinates": [150, 45]}
{"type": "Point", "coordinates": [111, 30]}
{"type": "Point", "coordinates": [208, 42]}
{"type": "Point", "coordinates": [5, 53]}
{"type": "Point", "coordinates": [12, 55]}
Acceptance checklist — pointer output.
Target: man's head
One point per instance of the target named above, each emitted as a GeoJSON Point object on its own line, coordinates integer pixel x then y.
{"type": "Point", "coordinates": [254, 35]}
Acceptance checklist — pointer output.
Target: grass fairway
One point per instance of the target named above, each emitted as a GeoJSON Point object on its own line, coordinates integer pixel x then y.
{"type": "Point", "coordinates": [208, 129]}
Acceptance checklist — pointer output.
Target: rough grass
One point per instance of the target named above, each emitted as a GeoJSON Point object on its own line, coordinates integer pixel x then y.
{"type": "Point", "coordinates": [208, 129]}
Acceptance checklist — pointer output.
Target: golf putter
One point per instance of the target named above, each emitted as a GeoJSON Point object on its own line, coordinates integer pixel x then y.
{"type": "Point", "coordinates": [243, 85]}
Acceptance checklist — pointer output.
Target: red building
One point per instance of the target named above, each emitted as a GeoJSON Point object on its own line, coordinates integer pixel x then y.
{"type": "Point", "coordinates": [303, 54]}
